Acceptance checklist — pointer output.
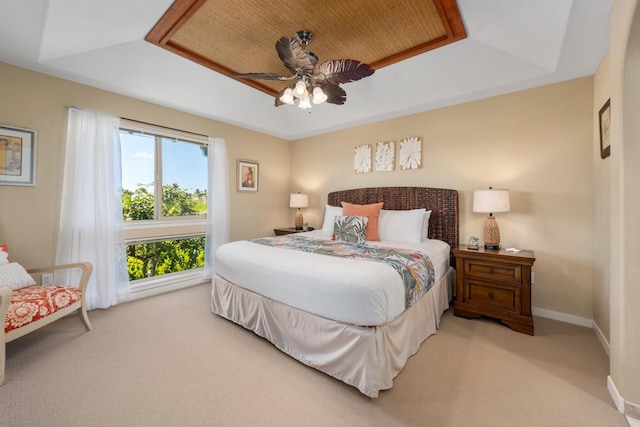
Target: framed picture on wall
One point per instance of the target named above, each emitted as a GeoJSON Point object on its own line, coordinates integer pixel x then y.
{"type": "Point", "coordinates": [17, 156]}
{"type": "Point", "coordinates": [605, 123]}
{"type": "Point", "coordinates": [248, 176]}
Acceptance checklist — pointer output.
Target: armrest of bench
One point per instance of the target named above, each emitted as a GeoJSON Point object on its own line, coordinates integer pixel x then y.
{"type": "Point", "coordinates": [85, 267]}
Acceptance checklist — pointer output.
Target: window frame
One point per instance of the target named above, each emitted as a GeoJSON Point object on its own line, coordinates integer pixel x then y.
{"type": "Point", "coordinates": [162, 227]}
{"type": "Point", "coordinates": [158, 182]}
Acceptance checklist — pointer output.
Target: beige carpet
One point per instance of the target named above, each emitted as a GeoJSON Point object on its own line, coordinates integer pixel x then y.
{"type": "Point", "coordinates": [167, 361]}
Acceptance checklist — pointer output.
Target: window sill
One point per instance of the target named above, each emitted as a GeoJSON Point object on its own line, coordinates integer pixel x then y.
{"type": "Point", "coordinates": [158, 285]}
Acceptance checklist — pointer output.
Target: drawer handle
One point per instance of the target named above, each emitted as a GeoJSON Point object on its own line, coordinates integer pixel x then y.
{"type": "Point", "coordinates": [490, 294]}
{"type": "Point", "coordinates": [490, 270]}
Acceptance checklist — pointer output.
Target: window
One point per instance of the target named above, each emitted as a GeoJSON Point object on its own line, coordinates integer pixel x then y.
{"type": "Point", "coordinates": [164, 200]}
{"type": "Point", "coordinates": [145, 260]}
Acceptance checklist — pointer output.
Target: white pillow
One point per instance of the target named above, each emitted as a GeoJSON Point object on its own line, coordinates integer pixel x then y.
{"type": "Point", "coordinates": [425, 225]}
{"type": "Point", "coordinates": [330, 214]}
{"type": "Point", "coordinates": [4, 255]}
{"type": "Point", "coordinates": [401, 226]}
{"type": "Point", "coordinates": [14, 276]}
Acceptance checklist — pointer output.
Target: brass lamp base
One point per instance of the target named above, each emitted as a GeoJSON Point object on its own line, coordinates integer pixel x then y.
{"type": "Point", "coordinates": [491, 234]}
{"type": "Point", "coordinates": [299, 221]}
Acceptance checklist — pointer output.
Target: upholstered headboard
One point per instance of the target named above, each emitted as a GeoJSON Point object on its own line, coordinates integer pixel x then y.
{"type": "Point", "coordinates": [444, 222]}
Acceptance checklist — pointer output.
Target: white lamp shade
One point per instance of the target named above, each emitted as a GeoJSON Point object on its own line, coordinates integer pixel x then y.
{"type": "Point", "coordinates": [287, 96]}
{"type": "Point", "coordinates": [318, 95]}
{"type": "Point", "coordinates": [304, 102]}
{"type": "Point", "coordinates": [300, 89]}
{"type": "Point", "coordinates": [491, 201]}
{"type": "Point", "coordinates": [298, 200]}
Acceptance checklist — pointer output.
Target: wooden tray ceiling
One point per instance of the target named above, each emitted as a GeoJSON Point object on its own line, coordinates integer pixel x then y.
{"type": "Point", "coordinates": [239, 36]}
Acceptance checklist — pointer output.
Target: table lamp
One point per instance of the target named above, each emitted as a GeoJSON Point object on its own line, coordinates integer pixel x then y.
{"type": "Point", "coordinates": [298, 200]}
{"type": "Point", "coordinates": [491, 201]}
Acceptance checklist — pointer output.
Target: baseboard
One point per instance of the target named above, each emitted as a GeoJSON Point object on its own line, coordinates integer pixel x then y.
{"type": "Point", "coordinates": [630, 410]}
{"type": "Point", "coordinates": [575, 320]}
{"type": "Point", "coordinates": [603, 341]}
{"type": "Point", "coordinates": [562, 317]}
{"type": "Point", "coordinates": [633, 422]}
{"type": "Point", "coordinates": [615, 396]}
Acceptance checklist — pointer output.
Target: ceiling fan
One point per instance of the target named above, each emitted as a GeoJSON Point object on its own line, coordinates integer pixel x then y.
{"type": "Point", "coordinates": [311, 80]}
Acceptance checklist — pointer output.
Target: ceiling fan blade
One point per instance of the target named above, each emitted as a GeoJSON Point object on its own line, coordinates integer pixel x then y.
{"type": "Point", "coordinates": [261, 76]}
{"type": "Point", "coordinates": [293, 55]}
{"type": "Point", "coordinates": [339, 71]}
{"type": "Point", "coordinates": [335, 94]}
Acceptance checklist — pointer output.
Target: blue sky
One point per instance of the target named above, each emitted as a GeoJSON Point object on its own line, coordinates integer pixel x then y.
{"type": "Point", "coordinates": [183, 163]}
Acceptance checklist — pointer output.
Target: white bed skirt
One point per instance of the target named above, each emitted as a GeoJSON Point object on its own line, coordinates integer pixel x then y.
{"type": "Point", "coordinates": [367, 358]}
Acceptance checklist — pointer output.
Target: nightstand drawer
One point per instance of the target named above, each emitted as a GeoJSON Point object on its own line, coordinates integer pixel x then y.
{"type": "Point", "coordinates": [506, 298]}
{"type": "Point", "coordinates": [510, 273]}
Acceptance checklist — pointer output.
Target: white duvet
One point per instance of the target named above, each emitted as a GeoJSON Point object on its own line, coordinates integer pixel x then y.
{"type": "Point", "coordinates": [352, 291]}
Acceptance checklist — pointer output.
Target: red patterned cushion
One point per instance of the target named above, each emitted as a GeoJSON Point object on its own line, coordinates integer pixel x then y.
{"type": "Point", "coordinates": [35, 302]}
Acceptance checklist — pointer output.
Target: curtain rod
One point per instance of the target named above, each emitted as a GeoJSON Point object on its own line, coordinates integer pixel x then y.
{"type": "Point", "coordinates": [152, 124]}
{"type": "Point", "coordinates": [164, 127]}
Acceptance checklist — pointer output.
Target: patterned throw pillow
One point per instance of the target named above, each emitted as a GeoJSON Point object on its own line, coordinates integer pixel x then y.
{"type": "Point", "coordinates": [350, 228]}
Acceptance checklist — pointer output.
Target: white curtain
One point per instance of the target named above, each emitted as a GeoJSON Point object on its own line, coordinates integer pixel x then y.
{"type": "Point", "coordinates": [91, 224]}
{"type": "Point", "coordinates": [217, 203]}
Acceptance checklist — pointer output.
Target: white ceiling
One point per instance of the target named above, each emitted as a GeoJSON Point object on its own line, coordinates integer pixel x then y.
{"type": "Point", "coordinates": [511, 45]}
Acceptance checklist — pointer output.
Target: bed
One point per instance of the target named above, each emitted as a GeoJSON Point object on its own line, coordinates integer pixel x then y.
{"type": "Point", "coordinates": [325, 318]}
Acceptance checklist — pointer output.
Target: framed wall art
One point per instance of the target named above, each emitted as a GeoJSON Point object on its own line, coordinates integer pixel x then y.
{"type": "Point", "coordinates": [248, 176]}
{"type": "Point", "coordinates": [605, 123]}
{"type": "Point", "coordinates": [410, 156]}
{"type": "Point", "coordinates": [17, 156]}
{"type": "Point", "coordinates": [385, 156]}
{"type": "Point", "coordinates": [362, 159]}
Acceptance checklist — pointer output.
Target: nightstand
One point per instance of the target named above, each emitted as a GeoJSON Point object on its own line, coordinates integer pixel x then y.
{"type": "Point", "coordinates": [286, 230]}
{"type": "Point", "coordinates": [495, 284]}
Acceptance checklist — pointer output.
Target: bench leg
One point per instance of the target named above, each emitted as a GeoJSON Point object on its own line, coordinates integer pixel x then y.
{"type": "Point", "coordinates": [85, 319]}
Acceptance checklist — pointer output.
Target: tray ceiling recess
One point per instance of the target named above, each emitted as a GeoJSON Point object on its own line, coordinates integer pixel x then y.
{"type": "Point", "coordinates": [239, 36]}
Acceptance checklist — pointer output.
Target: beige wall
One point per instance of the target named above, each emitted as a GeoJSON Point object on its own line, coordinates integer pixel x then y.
{"type": "Point", "coordinates": [624, 69]}
{"type": "Point", "coordinates": [601, 207]}
{"type": "Point", "coordinates": [29, 215]}
{"type": "Point", "coordinates": [537, 143]}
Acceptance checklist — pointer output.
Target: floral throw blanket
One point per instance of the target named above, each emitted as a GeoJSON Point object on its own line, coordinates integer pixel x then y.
{"type": "Point", "coordinates": [415, 269]}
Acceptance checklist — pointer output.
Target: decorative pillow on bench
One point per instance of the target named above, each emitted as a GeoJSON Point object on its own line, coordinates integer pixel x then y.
{"type": "Point", "coordinates": [14, 276]}
{"type": "Point", "coordinates": [4, 255]}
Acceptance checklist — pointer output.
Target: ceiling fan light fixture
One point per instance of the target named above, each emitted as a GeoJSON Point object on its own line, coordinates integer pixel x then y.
{"type": "Point", "coordinates": [300, 90]}
{"type": "Point", "coordinates": [309, 78]}
{"type": "Point", "coordinates": [318, 95]}
{"type": "Point", "coordinates": [304, 103]}
{"type": "Point", "coordinates": [287, 96]}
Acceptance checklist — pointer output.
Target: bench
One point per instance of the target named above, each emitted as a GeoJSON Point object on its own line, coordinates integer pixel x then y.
{"type": "Point", "coordinates": [30, 308]}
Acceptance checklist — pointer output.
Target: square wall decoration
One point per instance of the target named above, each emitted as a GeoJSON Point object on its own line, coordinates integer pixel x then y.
{"type": "Point", "coordinates": [385, 156]}
{"type": "Point", "coordinates": [17, 156]}
{"type": "Point", "coordinates": [362, 159]}
{"type": "Point", "coordinates": [248, 176]}
{"type": "Point", "coordinates": [410, 156]}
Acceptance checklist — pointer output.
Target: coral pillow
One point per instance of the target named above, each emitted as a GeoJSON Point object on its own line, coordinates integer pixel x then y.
{"type": "Point", "coordinates": [370, 211]}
